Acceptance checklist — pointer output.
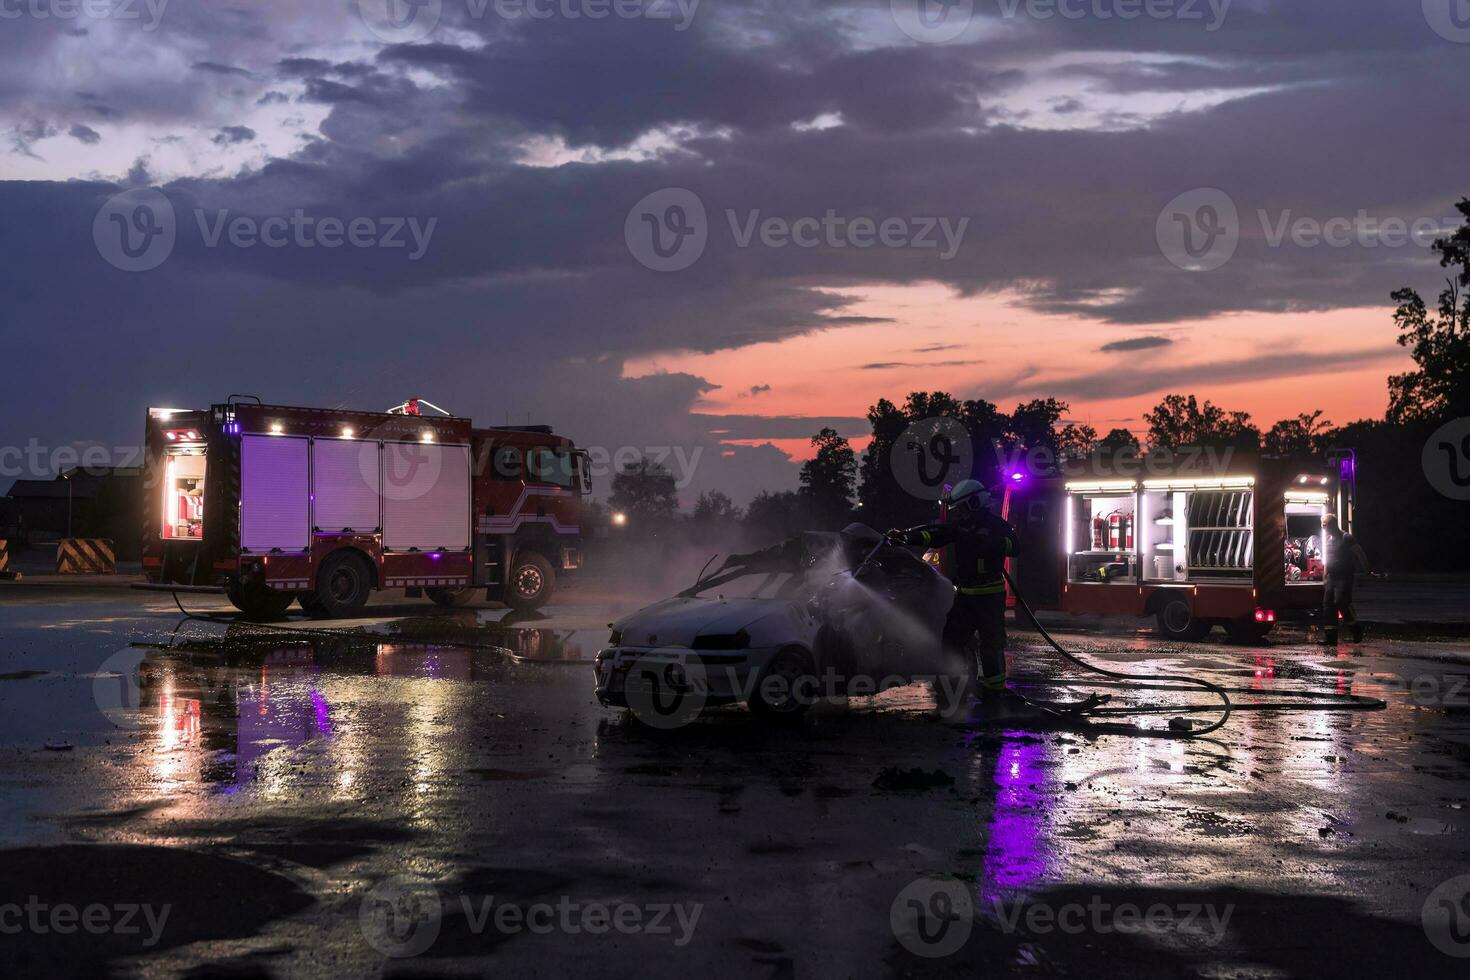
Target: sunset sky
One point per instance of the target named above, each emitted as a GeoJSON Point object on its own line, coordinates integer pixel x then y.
{"type": "Point", "coordinates": [1071, 155]}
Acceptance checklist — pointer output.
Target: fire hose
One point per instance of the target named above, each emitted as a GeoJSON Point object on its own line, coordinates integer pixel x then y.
{"type": "Point", "coordinates": [1180, 727]}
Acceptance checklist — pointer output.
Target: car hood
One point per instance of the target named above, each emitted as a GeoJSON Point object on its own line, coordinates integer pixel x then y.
{"type": "Point", "coordinates": [677, 621]}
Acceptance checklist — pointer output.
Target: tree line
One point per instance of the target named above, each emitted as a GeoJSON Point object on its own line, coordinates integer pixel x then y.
{"type": "Point", "coordinates": [1404, 521]}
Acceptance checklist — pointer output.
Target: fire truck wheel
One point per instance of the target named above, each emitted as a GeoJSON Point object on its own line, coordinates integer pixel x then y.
{"type": "Point", "coordinates": [310, 606]}
{"type": "Point", "coordinates": [343, 584]}
{"type": "Point", "coordinates": [531, 582]}
{"type": "Point", "coordinates": [453, 597]}
{"type": "Point", "coordinates": [1178, 622]}
{"type": "Point", "coordinates": [259, 601]}
{"type": "Point", "coordinates": [1247, 630]}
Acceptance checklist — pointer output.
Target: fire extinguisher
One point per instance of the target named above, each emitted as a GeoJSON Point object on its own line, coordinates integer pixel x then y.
{"type": "Point", "coordinates": [1115, 530]}
{"type": "Point", "coordinates": [1127, 532]}
{"type": "Point", "coordinates": [1099, 529]}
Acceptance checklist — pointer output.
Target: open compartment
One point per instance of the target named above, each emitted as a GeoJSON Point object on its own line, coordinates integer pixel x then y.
{"type": "Point", "coordinates": [1304, 545]}
{"type": "Point", "coordinates": [1102, 524]}
{"type": "Point", "coordinates": [183, 493]}
{"type": "Point", "coordinates": [1199, 531]}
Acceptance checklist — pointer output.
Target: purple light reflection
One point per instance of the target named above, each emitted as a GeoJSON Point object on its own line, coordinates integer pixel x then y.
{"type": "Point", "coordinates": [1014, 858]}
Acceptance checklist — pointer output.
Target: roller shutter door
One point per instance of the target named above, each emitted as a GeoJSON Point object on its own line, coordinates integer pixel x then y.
{"type": "Point", "coordinates": [273, 493]}
{"type": "Point", "coordinates": [426, 497]}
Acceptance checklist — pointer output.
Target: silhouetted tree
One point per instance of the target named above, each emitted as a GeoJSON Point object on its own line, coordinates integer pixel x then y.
{"type": "Point", "coordinates": [827, 480]}
{"type": "Point", "coordinates": [714, 507]}
{"type": "Point", "coordinates": [1118, 440]}
{"type": "Point", "coordinates": [645, 491]}
{"type": "Point", "coordinates": [1440, 389]}
{"type": "Point", "coordinates": [1305, 435]}
{"type": "Point", "coordinates": [773, 517]}
{"type": "Point", "coordinates": [1181, 421]}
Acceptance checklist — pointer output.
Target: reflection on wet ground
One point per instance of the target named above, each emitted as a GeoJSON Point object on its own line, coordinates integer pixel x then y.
{"type": "Point", "coordinates": [473, 754]}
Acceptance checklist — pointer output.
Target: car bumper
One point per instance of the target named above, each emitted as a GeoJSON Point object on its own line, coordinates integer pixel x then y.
{"type": "Point", "coordinates": [726, 676]}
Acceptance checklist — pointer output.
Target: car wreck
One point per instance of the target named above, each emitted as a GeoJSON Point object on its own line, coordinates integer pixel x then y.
{"type": "Point", "coordinates": [822, 615]}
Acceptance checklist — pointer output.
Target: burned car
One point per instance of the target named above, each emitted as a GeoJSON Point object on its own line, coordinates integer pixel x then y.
{"type": "Point", "coordinates": [823, 615]}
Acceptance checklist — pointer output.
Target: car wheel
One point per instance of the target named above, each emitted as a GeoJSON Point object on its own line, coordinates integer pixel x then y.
{"type": "Point", "coordinates": [453, 598]}
{"type": "Point", "coordinates": [1247, 630]}
{"type": "Point", "coordinates": [786, 687]}
{"type": "Point", "coordinates": [259, 601]}
{"type": "Point", "coordinates": [1177, 622]}
{"type": "Point", "coordinates": [343, 584]}
{"type": "Point", "coordinates": [531, 582]}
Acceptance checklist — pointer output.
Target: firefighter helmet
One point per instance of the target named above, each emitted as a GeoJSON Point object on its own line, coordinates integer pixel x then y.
{"type": "Point", "coordinates": [969, 495]}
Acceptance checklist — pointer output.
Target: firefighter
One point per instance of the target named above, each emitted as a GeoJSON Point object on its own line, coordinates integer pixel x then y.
{"type": "Point", "coordinates": [1343, 558]}
{"type": "Point", "coordinates": [982, 541]}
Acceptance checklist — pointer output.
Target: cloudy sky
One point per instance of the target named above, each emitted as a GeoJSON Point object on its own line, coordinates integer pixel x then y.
{"type": "Point", "coordinates": [716, 224]}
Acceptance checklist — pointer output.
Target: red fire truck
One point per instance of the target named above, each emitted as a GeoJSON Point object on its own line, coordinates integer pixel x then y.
{"type": "Point", "coordinates": [1192, 541]}
{"type": "Point", "coordinates": [271, 503]}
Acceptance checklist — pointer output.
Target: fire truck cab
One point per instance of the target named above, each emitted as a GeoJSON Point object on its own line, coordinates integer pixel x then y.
{"type": "Point", "coordinates": [1194, 546]}
{"type": "Point", "coordinates": [272, 503]}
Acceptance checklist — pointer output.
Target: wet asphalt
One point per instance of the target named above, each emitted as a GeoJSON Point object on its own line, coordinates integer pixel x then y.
{"type": "Point", "coordinates": [439, 794]}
